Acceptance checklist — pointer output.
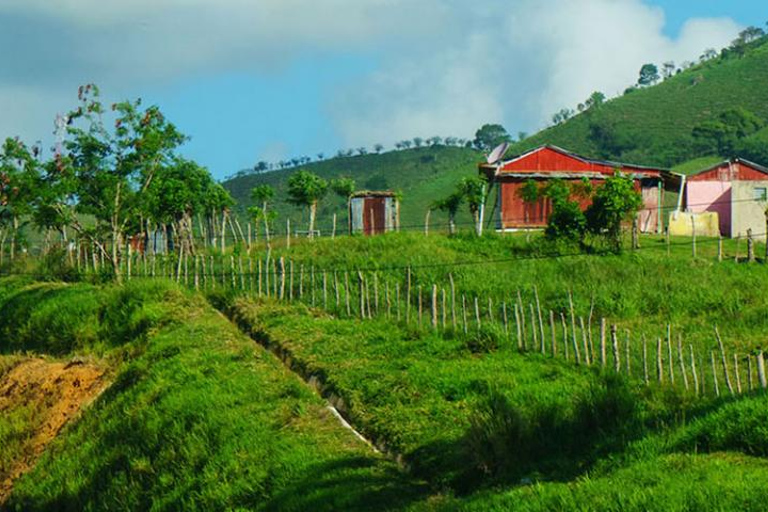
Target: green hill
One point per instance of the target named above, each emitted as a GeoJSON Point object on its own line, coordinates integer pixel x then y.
{"type": "Point", "coordinates": [651, 126]}
{"type": "Point", "coordinates": [422, 175]}
{"type": "Point", "coordinates": [654, 125]}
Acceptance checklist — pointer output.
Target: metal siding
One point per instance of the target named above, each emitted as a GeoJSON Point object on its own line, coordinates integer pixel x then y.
{"type": "Point", "coordinates": [356, 206]}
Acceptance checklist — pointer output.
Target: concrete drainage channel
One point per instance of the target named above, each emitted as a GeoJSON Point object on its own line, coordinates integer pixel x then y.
{"type": "Point", "coordinates": [336, 404]}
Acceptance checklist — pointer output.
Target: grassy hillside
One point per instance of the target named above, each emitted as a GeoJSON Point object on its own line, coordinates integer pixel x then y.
{"type": "Point", "coordinates": [653, 125]}
{"type": "Point", "coordinates": [422, 175]}
{"type": "Point", "coordinates": [197, 417]}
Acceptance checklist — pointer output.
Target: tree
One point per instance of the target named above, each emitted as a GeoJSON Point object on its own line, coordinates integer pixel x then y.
{"type": "Point", "coordinates": [595, 100]}
{"type": "Point", "coordinates": [566, 221]}
{"type": "Point", "coordinates": [614, 203]}
{"type": "Point", "coordinates": [307, 189]}
{"type": "Point", "coordinates": [450, 205]}
{"type": "Point", "coordinates": [530, 194]}
{"type": "Point", "coordinates": [262, 194]}
{"type": "Point", "coordinates": [344, 188]}
{"type": "Point", "coordinates": [649, 75]}
{"type": "Point", "coordinates": [378, 148]}
{"type": "Point", "coordinates": [173, 197]}
{"type": "Point", "coordinates": [489, 136]}
{"type": "Point", "coordinates": [473, 191]}
{"type": "Point", "coordinates": [668, 70]}
{"type": "Point", "coordinates": [19, 185]}
{"type": "Point", "coordinates": [107, 171]}
{"type": "Point", "coordinates": [418, 142]}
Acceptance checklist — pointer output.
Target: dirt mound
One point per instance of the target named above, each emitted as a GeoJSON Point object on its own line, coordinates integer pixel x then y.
{"type": "Point", "coordinates": [57, 391]}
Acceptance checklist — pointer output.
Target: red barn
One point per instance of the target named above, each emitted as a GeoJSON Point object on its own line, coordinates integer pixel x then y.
{"type": "Point", "coordinates": [550, 162]}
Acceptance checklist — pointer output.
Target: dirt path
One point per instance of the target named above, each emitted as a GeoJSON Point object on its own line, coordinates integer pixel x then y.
{"type": "Point", "coordinates": [57, 392]}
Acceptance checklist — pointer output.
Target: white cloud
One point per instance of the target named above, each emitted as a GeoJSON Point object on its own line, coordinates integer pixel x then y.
{"type": "Point", "coordinates": [443, 66]}
{"type": "Point", "coordinates": [518, 62]}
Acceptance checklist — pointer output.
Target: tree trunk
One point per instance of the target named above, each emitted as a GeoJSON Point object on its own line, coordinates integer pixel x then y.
{"type": "Point", "coordinates": [312, 214]}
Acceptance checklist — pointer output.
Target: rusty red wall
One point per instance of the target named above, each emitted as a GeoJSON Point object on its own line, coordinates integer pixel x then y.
{"type": "Point", "coordinates": [730, 172]}
{"type": "Point", "coordinates": [516, 213]}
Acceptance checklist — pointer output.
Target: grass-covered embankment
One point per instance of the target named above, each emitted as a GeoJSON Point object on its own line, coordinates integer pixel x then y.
{"type": "Point", "coordinates": [198, 416]}
{"type": "Point", "coordinates": [467, 421]}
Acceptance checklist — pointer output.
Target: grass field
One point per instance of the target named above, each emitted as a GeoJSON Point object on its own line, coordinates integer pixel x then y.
{"type": "Point", "coordinates": [197, 416]}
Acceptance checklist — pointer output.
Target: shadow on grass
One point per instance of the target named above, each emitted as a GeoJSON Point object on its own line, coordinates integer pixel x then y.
{"type": "Point", "coordinates": [353, 483]}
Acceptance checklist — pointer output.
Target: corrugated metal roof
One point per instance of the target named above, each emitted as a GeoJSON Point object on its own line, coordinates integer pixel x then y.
{"type": "Point", "coordinates": [374, 193]}
{"type": "Point", "coordinates": [562, 151]}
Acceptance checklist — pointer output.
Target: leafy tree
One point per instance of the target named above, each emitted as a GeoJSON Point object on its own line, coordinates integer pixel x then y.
{"type": "Point", "coordinates": [262, 195]}
{"type": "Point", "coordinates": [19, 185]}
{"type": "Point", "coordinates": [614, 203]}
{"type": "Point", "coordinates": [344, 188]}
{"type": "Point", "coordinates": [595, 100]}
{"type": "Point", "coordinates": [649, 75]}
{"type": "Point", "coordinates": [489, 136]}
{"type": "Point", "coordinates": [530, 194]}
{"type": "Point", "coordinates": [307, 189]}
{"type": "Point", "coordinates": [106, 171]}
{"type": "Point", "coordinates": [418, 142]}
{"type": "Point", "coordinates": [668, 70]}
{"type": "Point", "coordinates": [521, 136]}
{"type": "Point", "coordinates": [473, 191]}
{"type": "Point", "coordinates": [450, 205]}
{"type": "Point", "coordinates": [378, 148]}
{"type": "Point", "coordinates": [566, 221]}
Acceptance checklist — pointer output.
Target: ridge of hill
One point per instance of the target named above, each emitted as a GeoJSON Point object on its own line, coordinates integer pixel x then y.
{"type": "Point", "coordinates": [650, 125]}
{"type": "Point", "coordinates": [653, 125]}
{"type": "Point", "coordinates": [421, 175]}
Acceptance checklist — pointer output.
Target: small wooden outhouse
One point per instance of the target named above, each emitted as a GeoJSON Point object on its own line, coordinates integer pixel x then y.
{"type": "Point", "coordinates": [372, 213]}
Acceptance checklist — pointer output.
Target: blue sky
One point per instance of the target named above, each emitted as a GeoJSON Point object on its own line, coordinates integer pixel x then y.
{"type": "Point", "coordinates": [274, 79]}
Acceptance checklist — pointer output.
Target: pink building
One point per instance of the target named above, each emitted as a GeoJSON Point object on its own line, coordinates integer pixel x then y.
{"type": "Point", "coordinates": [737, 190]}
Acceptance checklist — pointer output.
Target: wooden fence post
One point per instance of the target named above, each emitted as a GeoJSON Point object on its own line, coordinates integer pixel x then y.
{"type": "Point", "coordinates": [680, 360]}
{"type": "Point", "coordinates": [659, 362]}
{"type": "Point", "coordinates": [584, 341]}
{"type": "Point", "coordinates": [534, 333]}
{"type": "Point", "coordinates": [750, 383]}
{"type": "Point", "coordinates": [477, 313]}
{"type": "Point", "coordinates": [408, 296]}
{"type": "Point", "coordinates": [464, 312]}
{"type": "Point", "coordinates": [628, 353]}
{"type": "Point", "coordinates": [724, 361]}
{"type": "Point", "coordinates": [750, 246]}
{"type": "Point", "coordinates": [761, 370]}
{"type": "Point", "coordinates": [434, 307]}
{"type": "Point", "coordinates": [616, 353]}
{"type": "Point", "coordinates": [670, 360]}
{"type": "Point", "coordinates": [646, 378]}
{"type": "Point", "coordinates": [736, 371]}
{"type": "Point", "coordinates": [602, 343]}
{"type": "Point", "coordinates": [453, 301]}
{"type": "Point", "coordinates": [519, 328]}
{"type": "Point", "coordinates": [573, 329]}
{"type": "Point", "coordinates": [714, 373]}
{"type": "Point", "coordinates": [554, 334]}
{"type": "Point", "coordinates": [693, 371]}
{"type": "Point", "coordinates": [541, 321]}
{"type": "Point", "coordinates": [565, 335]}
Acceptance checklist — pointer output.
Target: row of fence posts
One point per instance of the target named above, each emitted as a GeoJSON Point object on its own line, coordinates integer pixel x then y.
{"type": "Point", "coordinates": [751, 256]}
{"type": "Point", "coordinates": [562, 334]}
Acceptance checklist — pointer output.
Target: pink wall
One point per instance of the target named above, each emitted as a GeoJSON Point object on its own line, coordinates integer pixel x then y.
{"type": "Point", "coordinates": [711, 196]}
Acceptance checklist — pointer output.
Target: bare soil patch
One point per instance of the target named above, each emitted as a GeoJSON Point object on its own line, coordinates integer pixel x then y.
{"type": "Point", "coordinates": [57, 392]}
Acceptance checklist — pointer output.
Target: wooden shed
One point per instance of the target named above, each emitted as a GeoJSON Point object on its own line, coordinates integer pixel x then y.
{"type": "Point", "coordinates": [737, 190]}
{"type": "Point", "coordinates": [550, 162]}
{"type": "Point", "coordinates": [372, 213]}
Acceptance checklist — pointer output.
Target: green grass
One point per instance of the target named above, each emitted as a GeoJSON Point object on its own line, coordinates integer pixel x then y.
{"type": "Point", "coordinates": [670, 483]}
{"type": "Point", "coordinates": [437, 402]}
{"type": "Point", "coordinates": [467, 421]}
{"type": "Point", "coordinates": [198, 417]}
{"type": "Point", "coordinates": [641, 291]}
{"type": "Point", "coordinates": [697, 164]}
